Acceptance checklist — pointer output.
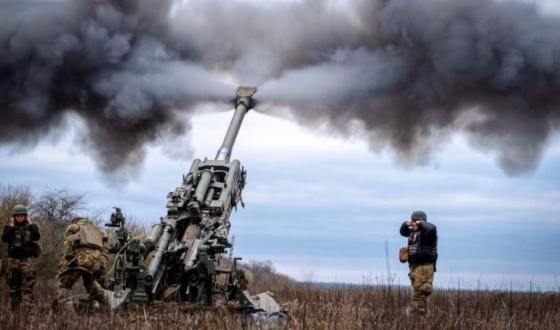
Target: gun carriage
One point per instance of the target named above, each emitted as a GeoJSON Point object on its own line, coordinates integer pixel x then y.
{"type": "Point", "coordinates": [182, 257]}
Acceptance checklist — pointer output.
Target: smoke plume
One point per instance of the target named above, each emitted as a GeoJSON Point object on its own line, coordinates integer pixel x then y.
{"type": "Point", "coordinates": [431, 68]}
{"type": "Point", "coordinates": [107, 61]}
{"type": "Point", "coordinates": [403, 74]}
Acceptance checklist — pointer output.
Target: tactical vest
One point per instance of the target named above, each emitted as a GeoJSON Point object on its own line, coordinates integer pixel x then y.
{"type": "Point", "coordinates": [21, 245]}
{"type": "Point", "coordinates": [87, 237]}
{"type": "Point", "coordinates": [420, 251]}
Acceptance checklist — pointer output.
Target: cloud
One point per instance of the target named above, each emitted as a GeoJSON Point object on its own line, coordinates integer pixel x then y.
{"type": "Point", "coordinates": [400, 75]}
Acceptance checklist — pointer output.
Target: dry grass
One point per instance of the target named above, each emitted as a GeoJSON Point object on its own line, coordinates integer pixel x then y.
{"type": "Point", "coordinates": [374, 307]}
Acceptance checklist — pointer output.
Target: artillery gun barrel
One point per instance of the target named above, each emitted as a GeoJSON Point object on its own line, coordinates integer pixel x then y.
{"type": "Point", "coordinates": [244, 95]}
{"type": "Point", "coordinates": [244, 103]}
{"type": "Point", "coordinates": [225, 150]}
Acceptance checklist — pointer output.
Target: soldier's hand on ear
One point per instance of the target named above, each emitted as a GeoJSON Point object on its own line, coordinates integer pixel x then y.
{"type": "Point", "coordinates": [408, 223]}
{"type": "Point", "coordinates": [12, 221]}
{"type": "Point", "coordinates": [28, 219]}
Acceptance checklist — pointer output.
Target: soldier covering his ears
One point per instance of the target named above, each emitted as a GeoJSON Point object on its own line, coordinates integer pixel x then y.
{"type": "Point", "coordinates": [422, 257]}
{"type": "Point", "coordinates": [21, 236]}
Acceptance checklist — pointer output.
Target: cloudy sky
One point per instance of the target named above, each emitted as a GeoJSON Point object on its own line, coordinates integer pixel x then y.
{"type": "Point", "coordinates": [322, 207]}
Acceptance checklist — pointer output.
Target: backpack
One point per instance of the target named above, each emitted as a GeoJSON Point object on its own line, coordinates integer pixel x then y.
{"type": "Point", "coordinates": [37, 250]}
{"type": "Point", "coordinates": [403, 254]}
{"type": "Point", "coordinates": [88, 236]}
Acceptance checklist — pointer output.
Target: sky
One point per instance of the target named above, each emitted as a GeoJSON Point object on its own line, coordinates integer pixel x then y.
{"type": "Point", "coordinates": [322, 207]}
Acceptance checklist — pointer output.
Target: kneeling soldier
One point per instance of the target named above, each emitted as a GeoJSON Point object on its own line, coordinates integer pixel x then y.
{"type": "Point", "coordinates": [20, 235]}
{"type": "Point", "coordinates": [85, 256]}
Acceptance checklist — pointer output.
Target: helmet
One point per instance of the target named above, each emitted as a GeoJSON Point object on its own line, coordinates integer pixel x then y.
{"type": "Point", "coordinates": [419, 215]}
{"type": "Point", "coordinates": [80, 220]}
{"type": "Point", "coordinates": [19, 210]}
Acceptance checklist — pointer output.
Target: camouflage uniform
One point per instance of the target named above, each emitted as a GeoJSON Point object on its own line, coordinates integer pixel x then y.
{"type": "Point", "coordinates": [21, 278]}
{"type": "Point", "coordinates": [421, 278]}
{"type": "Point", "coordinates": [82, 261]}
{"type": "Point", "coordinates": [21, 274]}
{"type": "Point", "coordinates": [422, 257]}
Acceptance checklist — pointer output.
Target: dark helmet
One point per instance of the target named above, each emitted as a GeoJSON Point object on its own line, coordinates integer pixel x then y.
{"type": "Point", "coordinates": [19, 210]}
{"type": "Point", "coordinates": [419, 215]}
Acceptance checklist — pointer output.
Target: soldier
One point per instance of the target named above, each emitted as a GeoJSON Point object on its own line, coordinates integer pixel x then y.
{"type": "Point", "coordinates": [85, 255]}
{"type": "Point", "coordinates": [21, 234]}
{"type": "Point", "coordinates": [422, 257]}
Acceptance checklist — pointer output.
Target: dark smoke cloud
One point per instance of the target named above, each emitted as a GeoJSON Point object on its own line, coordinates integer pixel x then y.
{"type": "Point", "coordinates": [403, 74]}
{"type": "Point", "coordinates": [107, 61]}
{"type": "Point", "coordinates": [435, 67]}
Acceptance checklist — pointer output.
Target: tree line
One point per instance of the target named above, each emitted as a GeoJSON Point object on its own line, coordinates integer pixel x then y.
{"type": "Point", "coordinates": [54, 208]}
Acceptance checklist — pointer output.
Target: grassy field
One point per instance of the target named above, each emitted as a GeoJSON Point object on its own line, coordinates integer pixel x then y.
{"type": "Point", "coordinates": [373, 307]}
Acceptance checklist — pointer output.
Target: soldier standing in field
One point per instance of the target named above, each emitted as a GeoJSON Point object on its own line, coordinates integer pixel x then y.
{"type": "Point", "coordinates": [21, 236]}
{"type": "Point", "coordinates": [422, 257]}
{"type": "Point", "coordinates": [85, 255]}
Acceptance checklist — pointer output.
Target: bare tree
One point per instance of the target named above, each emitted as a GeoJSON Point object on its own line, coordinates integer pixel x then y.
{"type": "Point", "coordinates": [262, 271]}
{"type": "Point", "coordinates": [53, 210]}
{"type": "Point", "coordinates": [136, 227]}
{"type": "Point", "coordinates": [59, 205]}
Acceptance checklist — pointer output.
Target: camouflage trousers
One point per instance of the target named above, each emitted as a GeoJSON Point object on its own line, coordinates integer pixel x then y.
{"type": "Point", "coordinates": [421, 278]}
{"type": "Point", "coordinates": [66, 281]}
{"type": "Point", "coordinates": [21, 278]}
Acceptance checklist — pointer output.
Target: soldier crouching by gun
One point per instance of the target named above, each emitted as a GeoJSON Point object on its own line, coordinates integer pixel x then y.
{"type": "Point", "coordinates": [421, 255]}
{"type": "Point", "coordinates": [84, 255]}
{"type": "Point", "coordinates": [21, 236]}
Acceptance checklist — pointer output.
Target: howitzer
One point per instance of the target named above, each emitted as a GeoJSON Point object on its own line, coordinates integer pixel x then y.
{"type": "Point", "coordinates": [185, 249]}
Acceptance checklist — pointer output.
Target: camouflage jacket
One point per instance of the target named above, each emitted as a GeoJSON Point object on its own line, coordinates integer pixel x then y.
{"type": "Point", "coordinates": [81, 257]}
